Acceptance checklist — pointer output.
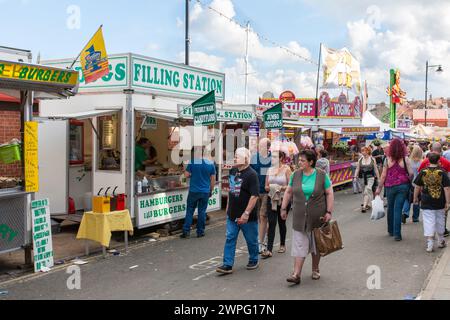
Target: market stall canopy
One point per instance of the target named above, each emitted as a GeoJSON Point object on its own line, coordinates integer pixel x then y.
{"type": "Point", "coordinates": [46, 82]}
{"type": "Point", "coordinates": [158, 115]}
{"type": "Point", "coordinates": [369, 120]}
{"type": "Point", "coordinates": [83, 115]}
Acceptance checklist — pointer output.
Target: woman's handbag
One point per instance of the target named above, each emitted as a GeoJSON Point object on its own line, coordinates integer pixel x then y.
{"type": "Point", "coordinates": [328, 239]}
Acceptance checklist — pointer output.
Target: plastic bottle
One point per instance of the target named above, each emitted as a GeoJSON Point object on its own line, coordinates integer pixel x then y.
{"type": "Point", "coordinates": [139, 187]}
{"type": "Point", "coordinates": [145, 184]}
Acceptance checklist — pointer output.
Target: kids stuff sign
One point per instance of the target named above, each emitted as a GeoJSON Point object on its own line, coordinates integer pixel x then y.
{"type": "Point", "coordinates": [340, 107]}
{"type": "Point", "coordinates": [293, 108]}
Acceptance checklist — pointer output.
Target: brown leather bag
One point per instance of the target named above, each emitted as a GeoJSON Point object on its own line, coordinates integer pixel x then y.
{"type": "Point", "coordinates": [328, 239]}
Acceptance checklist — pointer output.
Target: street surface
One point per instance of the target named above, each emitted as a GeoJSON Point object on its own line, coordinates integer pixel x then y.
{"type": "Point", "coordinates": [185, 269]}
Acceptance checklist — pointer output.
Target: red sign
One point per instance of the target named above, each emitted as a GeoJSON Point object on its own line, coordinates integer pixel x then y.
{"type": "Point", "coordinates": [339, 108]}
{"type": "Point", "coordinates": [295, 108]}
{"type": "Point", "coordinates": [298, 108]}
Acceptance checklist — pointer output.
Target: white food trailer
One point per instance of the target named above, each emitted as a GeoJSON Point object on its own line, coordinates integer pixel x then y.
{"type": "Point", "coordinates": [88, 142]}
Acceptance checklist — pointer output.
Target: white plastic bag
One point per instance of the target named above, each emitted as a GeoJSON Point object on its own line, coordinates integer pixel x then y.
{"type": "Point", "coordinates": [377, 209]}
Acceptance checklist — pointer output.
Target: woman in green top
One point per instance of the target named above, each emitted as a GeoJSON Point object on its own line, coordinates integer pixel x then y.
{"type": "Point", "coordinates": [312, 196]}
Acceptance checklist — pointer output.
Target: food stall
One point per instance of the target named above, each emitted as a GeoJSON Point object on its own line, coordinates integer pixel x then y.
{"type": "Point", "coordinates": [24, 83]}
{"type": "Point", "coordinates": [342, 159]}
{"type": "Point", "coordinates": [326, 125]}
{"type": "Point", "coordinates": [140, 98]}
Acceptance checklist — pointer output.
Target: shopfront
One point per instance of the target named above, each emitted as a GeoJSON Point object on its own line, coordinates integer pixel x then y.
{"type": "Point", "coordinates": [24, 84]}
{"type": "Point", "coordinates": [140, 98]}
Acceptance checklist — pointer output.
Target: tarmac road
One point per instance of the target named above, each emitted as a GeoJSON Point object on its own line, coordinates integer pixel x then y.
{"type": "Point", "coordinates": [185, 269]}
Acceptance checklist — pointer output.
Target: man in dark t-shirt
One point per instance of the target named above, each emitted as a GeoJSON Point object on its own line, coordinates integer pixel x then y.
{"type": "Point", "coordinates": [242, 212]}
{"type": "Point", "coordinates": [433, 185]}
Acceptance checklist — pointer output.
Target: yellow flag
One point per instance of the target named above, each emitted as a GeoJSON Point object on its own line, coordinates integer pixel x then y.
{"type": "Point", "coordinates": [94, 59]}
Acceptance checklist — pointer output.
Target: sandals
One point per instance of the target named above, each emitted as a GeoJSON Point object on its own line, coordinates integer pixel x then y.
{"type": "Point", "coordinates": [294, 279]}
{"type": "Point", "coordinates": [316, 275]}
{"type": "Point", "coordinates": [282, 249]}
{"type": "Point", "coordinates": [266, 255]}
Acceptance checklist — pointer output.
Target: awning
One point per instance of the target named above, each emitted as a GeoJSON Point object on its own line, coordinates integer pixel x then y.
{"type": "Point", "coordinates": [158, 115]}
{"type": "Point", "coordinates": [334, 130]}
{"type": "Point", "coordinates": [83, 115]}
{"type": "Point", "coordinates": [55, 82]}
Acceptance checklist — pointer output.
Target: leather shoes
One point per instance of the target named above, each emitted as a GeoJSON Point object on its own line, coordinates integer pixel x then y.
{"type": "Point", "coordinates": [294, 279]}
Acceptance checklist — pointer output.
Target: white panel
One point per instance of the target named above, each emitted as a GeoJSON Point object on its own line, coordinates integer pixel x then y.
{"type": "Point", "coordinates": [80, 183]}
{"type": "Point", "coordinates": [53, 164]}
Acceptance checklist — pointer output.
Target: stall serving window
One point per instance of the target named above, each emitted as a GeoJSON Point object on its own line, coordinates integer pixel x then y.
{"type": "Point", "coordinates": [109, 143]}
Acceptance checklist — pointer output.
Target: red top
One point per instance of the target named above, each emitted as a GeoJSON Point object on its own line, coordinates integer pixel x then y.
{"type": "Point", "coordinates": [443, 163]}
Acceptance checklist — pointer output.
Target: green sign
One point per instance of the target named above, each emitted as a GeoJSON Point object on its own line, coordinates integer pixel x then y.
{"type": "Point", "coordinates": [42, 235]}
{"type": "Point", "coordinates": [204, 110]}
{"type": "Point", "coordinates": [150, 123]}
{"type": "Point", "coordinates": [273, 118]}
{"type": "Point", "coordinates": [153, 76]}
{"type": "Point", "coordinates": [222, 115]}
{"type": "Point", "coordinates": [7, 234]}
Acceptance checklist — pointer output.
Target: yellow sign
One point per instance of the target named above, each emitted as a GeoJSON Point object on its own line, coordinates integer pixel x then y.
{"type": "Point", "coordinates": [37, 74]}
{"type": "Point", "coordinates": [31, 157]}
{"type": "Point", "coordinates": [94, 59]}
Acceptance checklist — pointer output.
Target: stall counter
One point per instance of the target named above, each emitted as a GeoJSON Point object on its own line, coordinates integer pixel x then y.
{"type": "Point", "coordinates": [161, 207]}
{"type": "Point", "coordinates": [341, 173]}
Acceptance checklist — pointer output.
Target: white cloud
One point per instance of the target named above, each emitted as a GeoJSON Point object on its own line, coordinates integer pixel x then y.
{"type": "Point", "coordinates": [153, 47]}
{"type": "Point", "coordinates": [203, 60]}
{"type": "Point", "coordinates": [215, 32]}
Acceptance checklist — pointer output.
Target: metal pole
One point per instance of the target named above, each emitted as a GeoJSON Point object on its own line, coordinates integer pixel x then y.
{"type": "Point", "coordinates": [317, 86]}
{"type": "Point", "coordinates": [187, 34]}
{"type": "Point", "coordinates": [426, 93]}
{"type": "Point", "coordinates": [246, 64]}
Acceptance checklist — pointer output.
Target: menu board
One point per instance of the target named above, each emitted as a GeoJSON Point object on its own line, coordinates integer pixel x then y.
{"type": "Point", "coordinates": [31, 157]}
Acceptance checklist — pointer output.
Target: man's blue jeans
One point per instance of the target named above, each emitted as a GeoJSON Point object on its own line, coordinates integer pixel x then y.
{"type": "Point", "coordinates": [195, 200]}
{"type": "Point", "coordinates": [250, 231]}
{"type": "Point", "coordinates": [396, 197]}
{"type": "Point", "coordinates": [407, 210]}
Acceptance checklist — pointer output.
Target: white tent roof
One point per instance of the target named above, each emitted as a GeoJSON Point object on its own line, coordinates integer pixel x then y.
{"type": "Point", "coordinates": [369, 120]}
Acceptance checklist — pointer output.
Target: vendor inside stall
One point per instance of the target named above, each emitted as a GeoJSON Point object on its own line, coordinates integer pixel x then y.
{"type": "Point", "coordinates": [143, 158]}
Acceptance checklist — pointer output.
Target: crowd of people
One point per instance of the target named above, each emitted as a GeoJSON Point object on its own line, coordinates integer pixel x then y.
{"type": "Point", "coordinates": [411, 178]}
{"type": "Point", "coordinates": [268, 186]}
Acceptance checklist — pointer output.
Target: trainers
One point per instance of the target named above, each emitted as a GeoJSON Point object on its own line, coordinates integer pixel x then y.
{"type": "Point", "coordinates": [224, 270]}
{"type": "Point", "coordinates": [185, 236]}
{"type": "Point", "coordinates": [201, 235]}
{"type": "Point", "coordinates": [252, 265]}
{"type": "Point", "coordinates": [446, 233]}
{"type": "Point", "coordinates": [442, 244]}
{"type": "Point", "coordinates": [430, 246]}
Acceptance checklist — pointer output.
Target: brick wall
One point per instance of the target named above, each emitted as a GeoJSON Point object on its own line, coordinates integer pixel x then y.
{"type": "Point", "coordinates": [9, 129]}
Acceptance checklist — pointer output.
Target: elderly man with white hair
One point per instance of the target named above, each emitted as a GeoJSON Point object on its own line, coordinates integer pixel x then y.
{"type": "Point", "coordinates": [261, 163]}
{"type": "Point", "coordinates": [241, 212]}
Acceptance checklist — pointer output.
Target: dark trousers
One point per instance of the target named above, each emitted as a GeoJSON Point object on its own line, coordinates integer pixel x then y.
{"type": "Point", "coordinates": [273, 217]}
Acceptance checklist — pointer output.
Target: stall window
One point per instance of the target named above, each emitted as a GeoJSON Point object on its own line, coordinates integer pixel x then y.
{"type": "Point", "coordinates": [109, 143]}
{"type": "Point", "coordinates": [76, 142]}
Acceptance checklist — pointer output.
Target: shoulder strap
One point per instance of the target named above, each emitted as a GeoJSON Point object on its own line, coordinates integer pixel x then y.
{"type": "Point", "coordinates": [406, 167]}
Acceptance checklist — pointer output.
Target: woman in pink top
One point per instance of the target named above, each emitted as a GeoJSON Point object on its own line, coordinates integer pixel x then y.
{"type": "Point", "coordinates": [396, 178]}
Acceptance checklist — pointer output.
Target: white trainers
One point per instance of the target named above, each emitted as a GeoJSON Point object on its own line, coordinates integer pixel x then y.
{"type": "Point", "coordinates": [262, 248]}
{"type": "Point", "coordinates": [430, 246]}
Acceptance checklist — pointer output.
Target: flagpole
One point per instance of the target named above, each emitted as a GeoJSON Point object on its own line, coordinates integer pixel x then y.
{"type": "Point", "coordinates": [317, 86]}
{"type": "Point", "coordinates": [75, 61]}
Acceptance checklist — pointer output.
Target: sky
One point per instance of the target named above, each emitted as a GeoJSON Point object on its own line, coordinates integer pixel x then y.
{"type": "Point", "coordinates": [381, 34]}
